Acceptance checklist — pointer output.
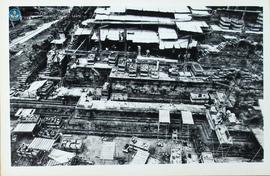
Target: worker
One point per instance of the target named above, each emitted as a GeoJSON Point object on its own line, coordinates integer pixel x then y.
{"type": "Point", "coordinates": [178, 57]}
{"type": "Point", "coordinates": [113, 47]}
{"type": "Point", "coordinates": [148, 53]}
{"type": "Point", "coordinates": [139, 50]}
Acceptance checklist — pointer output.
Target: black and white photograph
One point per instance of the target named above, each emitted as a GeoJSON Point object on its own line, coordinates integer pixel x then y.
{"type": "Point", "coordinates": [135, 85]}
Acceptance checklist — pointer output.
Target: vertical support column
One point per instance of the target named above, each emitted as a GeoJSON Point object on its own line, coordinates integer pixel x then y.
{"type": "Point", "coordinates": [125, 41]}
{"type": "Point", "coordinates": [256, 154]}
{"type": "Point", "coordinates": [99, 40]}
{"type": "Point", "coordinates": [158, 130]}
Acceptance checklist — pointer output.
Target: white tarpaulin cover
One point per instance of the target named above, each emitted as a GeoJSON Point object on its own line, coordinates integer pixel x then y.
{"type": "Point", "coordinates": [61, 156]}
{"type": "Point", "coordinates": [136, 36]}
{"type": "Point", "coordinates": [143, 36]}
{"type": "Point", "coordinates": [191, 26]}
{"type": "Point", "coordinates": [164, 116]}
{"type": "Point", "coordinates": [177, 44]}
{"type": "Point", "coordinates": [61, 40]}
{"type": "Point", "coordinates": [73, 92]}
{"type": "Point", "coordinates": [200, 13]}
{"type": "Point", "coordinates": [182, 17]}
{"type": "Point", "coordinates": [32, 90]}
{"type": "Point", "coordinates": [210, 48]}
{"type": "Point", "coordinates": [109, 10]}
{"type": "Point", "coordinates": [207, 157]}
{"type": "Point", "coordinates": [88, 21]}
{"type": "Point", "coordinates": [167, 33]}
{"type": "Point", "coordinates": [187, 117]}
{"type": "Point", "coordinates": [101, 10]}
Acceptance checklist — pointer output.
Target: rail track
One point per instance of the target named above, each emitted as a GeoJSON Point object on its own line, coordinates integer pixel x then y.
{"type": "Point", "coordinates": [31, 34]}
{"type": "Point", "coordinates": [40, 103]}
{"type": "Point", "coordinates": [115, 133]}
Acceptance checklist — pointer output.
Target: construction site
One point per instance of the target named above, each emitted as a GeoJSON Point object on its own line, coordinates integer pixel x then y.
{"type": "Point", "coordinates": [115, 85]}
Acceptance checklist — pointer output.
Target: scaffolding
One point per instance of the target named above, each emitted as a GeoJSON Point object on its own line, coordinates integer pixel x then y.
{"type": "Point", "coordinates": [164, 119]}
{"type": "Point", "coordinates": [225, 140]}
{"type": "Point", "coordinates": [258, 134]}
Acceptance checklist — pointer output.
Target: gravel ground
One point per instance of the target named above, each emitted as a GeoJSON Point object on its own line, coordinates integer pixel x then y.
{"type": "Point", "coordinates": [93, 145]}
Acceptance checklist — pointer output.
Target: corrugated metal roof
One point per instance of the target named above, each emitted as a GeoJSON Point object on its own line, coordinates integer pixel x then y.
{"type": "Point", "coordinates": [187, 117]}
{"type": "Point", "coordinates": [109, 10]}
{"type": "Point", "coordinates": [199, 7]}
{"type": "Point", "coordinates": [42, 144]}
{"type": "Point", "coordinates": [164, 116]}
{"type": "Point", "coordinates": [170, 9]}
{"type": "Point", "coordinates": [24, 127]}
{"type": "Point", "coordinates": [24, 112]}
{"type": "Point", "coordinates": [140, 157]}
{"type": "Point", "coordinates": [61, 156]}
{"type": "Point", "coordinates": [83, 31]}
{"type": "Point", "coordinates": [107, 151]}
{"type": "Point", "coordinates": [137, 18]}
{"type": "Point", "coordinates": [52, 162]}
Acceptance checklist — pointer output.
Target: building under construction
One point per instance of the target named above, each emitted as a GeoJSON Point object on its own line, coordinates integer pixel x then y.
{"type": "Point", "coordinates": [140, 85]}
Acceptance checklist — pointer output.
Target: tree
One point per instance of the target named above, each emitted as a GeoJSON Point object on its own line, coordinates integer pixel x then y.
{"type": "Point", "coordinates": [152, 150]}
